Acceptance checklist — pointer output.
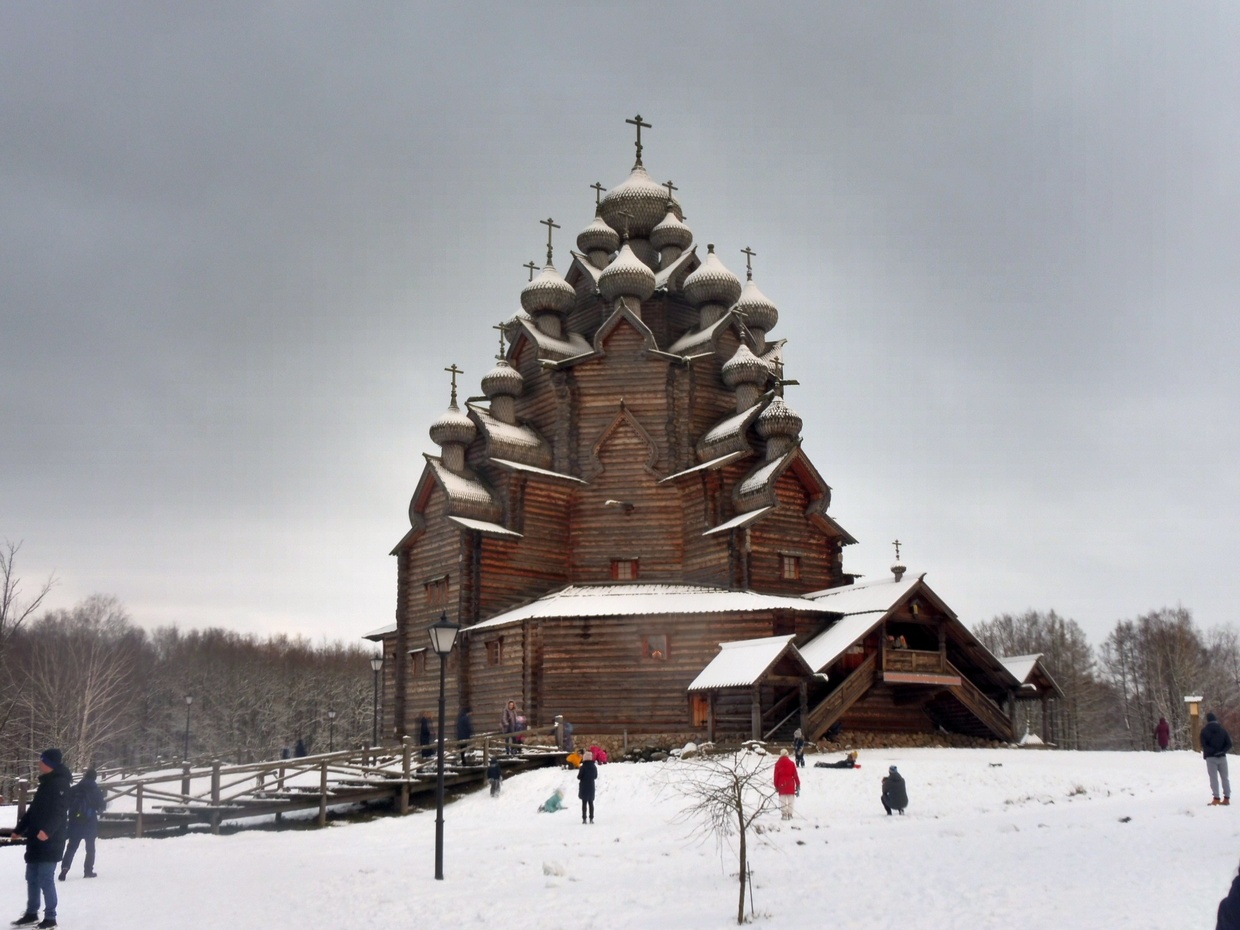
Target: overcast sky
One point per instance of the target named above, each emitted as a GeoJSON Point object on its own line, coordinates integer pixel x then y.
{"type": "Point", "coordinates": [241, 244]}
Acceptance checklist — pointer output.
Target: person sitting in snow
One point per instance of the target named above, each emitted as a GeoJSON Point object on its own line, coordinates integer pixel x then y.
{"type": "Point", "coordinates": [895, 796]}
{"type": "Point", "coordinates": [553, 803]}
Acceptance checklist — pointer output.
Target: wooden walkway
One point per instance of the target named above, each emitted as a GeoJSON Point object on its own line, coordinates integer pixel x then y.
{"type": "Point", "coordinates": [401, 777]}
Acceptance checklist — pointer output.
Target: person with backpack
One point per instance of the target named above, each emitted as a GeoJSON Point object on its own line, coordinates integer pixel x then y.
{"type": "Point", "coordinates": [86, 803]}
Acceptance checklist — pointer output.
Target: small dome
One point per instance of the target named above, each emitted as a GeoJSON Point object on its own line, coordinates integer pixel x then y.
{"type": "Point", "coordinates": [757, 308]}
{"type": "Point", "coordinates": [548, 291]}
{"type": "Point", "coordinates": [453, 426]}
{"type": "Point", "coordinates": [598, 235]}
{"type": "Point", "coordinates": [745, 368]}
{"type": "Point", "coordinates": [671, 232]}
{"type": "Point", "coordinates": [712, 283]}
{"type": "Point", "coordinates": [778, 419]}
{"type": "Point", "coordinates": [641, 198]}
{"type": "Point", "coordinates": [502, 379]}
{"type": "Point", "coordinates": [626, 276]}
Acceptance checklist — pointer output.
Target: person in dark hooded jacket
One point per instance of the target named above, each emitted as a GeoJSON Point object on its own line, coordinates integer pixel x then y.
{"type": "Point", "coordinates": [86, 803]}
{"type": "Point", "coordinates": [1215, 744]}
{"type": "Point", "coordinates": [44, 827]}
{"type": "Point", "coordinates": [895, 795]}
{"type": "Point", "coordinates": [587, 775]}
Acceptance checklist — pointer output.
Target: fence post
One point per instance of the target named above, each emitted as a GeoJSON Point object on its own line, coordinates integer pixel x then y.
{"type": "Point", "coordinates": [185, 781]}
{"type": "Point", "coordinates": [323, 793]}
{"type": "Point", "coordinates": [215, 796]}
{"type": "Point", "coordinates": [137, 831]}
{"type": "Point", "coordinates": [406, 752]}
{"type": "Point", "coordinates": [23, 787]}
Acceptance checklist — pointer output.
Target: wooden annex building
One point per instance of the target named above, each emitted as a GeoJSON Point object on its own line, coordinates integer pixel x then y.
{"type": "Point", "coordinates": [626, 525]}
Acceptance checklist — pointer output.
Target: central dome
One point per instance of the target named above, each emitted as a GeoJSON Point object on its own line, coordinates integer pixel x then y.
{"type": "Point", "coordinates": [639, 196]}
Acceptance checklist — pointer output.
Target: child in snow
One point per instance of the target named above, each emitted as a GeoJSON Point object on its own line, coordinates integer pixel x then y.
{"type": "Point", "coordinates": [848, 762]}
{"type": "Point", "coordinates": [787, 784]}
{"type": "Point", "coordinates": [553, 803]}
{"type": "Point", "coordinates": [587, 775]}
{"type": "Point", "coordinates": [798, 748]}
{"type": "Point", "coordinates": [495, 775]}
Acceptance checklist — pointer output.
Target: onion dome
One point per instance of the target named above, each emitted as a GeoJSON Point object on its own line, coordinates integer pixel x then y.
{"type": "Point", "coordinates": [598, 236]}
{"type": "Point", "coordinates": [712, 283]}
{"type": "Point", "coordinates": [778, 420]}
{"type": "Point", "coordinates": [671, 232]}
{"type": "Point", "coordinates": [548, 292]}
{"type": "Point", "coordinates": [745, 368]}
{"type": "Point", "coordinates": [453, 426]}
{"type": "Point", "coordinates": [502, 380]}
{"type": "Point", "coordinates": [641, 198]}
{"type": "Point", "coordinates": [757, 308]}
{"type": "Point", "coordinates": [626, 276]}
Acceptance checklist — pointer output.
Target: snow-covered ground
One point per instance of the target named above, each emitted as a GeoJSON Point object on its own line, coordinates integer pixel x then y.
{"type": "Point", "coordinates": [1002, 839]}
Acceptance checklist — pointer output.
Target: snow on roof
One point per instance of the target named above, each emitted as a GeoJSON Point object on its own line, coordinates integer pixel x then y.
{"type": "Point", "coordinates": [737, 522]}
{"type": "Point", "coordinates": [460, 487]}
{"type": "Point", "coordinates": [482, 526]}
{"type": "Point", "coordinates": [664, 275]}
{"type": "Point", "coordinates": [740, 663]}
{"type": "Point", "coordinates": [617, 600]}
{"type": "Point", "coordinates": [705, 466]}
{"type": "Point", "coordinates": [759, 478]}
{"type": "Point", "coordinates": [729, 426]}
{"type": "Point", "coordinates": [828, 646]}
{"type": "Point", "coordinates": [380, 632]}
{"type": "Point", "coordinates": [868, 596]}
{"type": "Point", "coordinates": [701, 338]}
{"type": "Point", "coordinates": [521, 466]}
{"type": "Point", "coordinates": [515, 434]}
{"type": "Point", "coordinates": [1021, 667]}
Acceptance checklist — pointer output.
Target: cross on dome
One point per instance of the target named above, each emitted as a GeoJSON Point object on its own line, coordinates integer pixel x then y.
{"type": "Point", "coordinates": [637, 121]}
{"type": "Point", "coordinates": [897, 545]}
{"type": "Point", "coordinates": [598, 192]}
{"type": "Point", "coordinates": [532, 267]}
{"type": "Point", "coordinates": [455, 371]}
{"type": "Point", "coordinates": [749, 256]}
{"type": "Point", "coordinates": [500, 327]}
{"type": "Point", "coordinates": [670, 187]}
{"type": "Point", "coordinates": [550, 224]}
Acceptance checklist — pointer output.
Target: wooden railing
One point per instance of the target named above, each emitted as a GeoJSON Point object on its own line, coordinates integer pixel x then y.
{"type": "Point", "coordinates": [981, 706]}
{"type": "Point", "coordinates": [914, 661]}
{"type": "Point", "coordinates": [833, 706]}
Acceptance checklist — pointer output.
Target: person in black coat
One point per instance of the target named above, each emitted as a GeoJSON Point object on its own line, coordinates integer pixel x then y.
{"type": "Point", "coordinates": [464, 729]}
{"type": "Point", "coordinates": [587, 775]}
{"type": "Point", "coordinates": [45, 828]}
{"type": "Point", "coordinates": [425, 734]}
{"type": "Point", "coordinates": [895, 795]}
{"type": "Point", "coordinates": [1229, 908]}
{"type": "Point", "coordinates": [86, 803]}
{"type": "Point", "coordinates": [1215, 744]}
{"type": "Point", "coordinates": [495, 775]}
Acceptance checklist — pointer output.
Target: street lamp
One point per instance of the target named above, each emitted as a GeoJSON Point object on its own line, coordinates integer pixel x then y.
{"type": "Point", "coordinates": [189, 700]}
{"type": "Point", "coordinates": [443, 638]}
{"type": "Point", "coordinates": [331, 731]}
{"type": "Point", "coordinates": [376, 664]}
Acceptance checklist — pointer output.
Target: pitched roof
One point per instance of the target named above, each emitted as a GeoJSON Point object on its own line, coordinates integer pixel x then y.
{"type": "Point", "coordinates": [741, 663]}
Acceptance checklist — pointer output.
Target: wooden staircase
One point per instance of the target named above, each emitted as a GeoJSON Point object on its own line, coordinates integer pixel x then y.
{"type": "Point", "coordinates": [974, 713]}
{"type": "Point", "coordinates": [830, 709]}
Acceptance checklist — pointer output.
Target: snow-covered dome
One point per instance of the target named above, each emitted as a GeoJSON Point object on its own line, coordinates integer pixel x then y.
{"type": "Point", "coordinates": [639, 196]}
{"type": "Point", "coordinates": [671, 231]}
{"type": "Point", "coordinates": [745, 368]}
{"type": "Point", "coordinates": [757, 308]}
{"type": "Point", "coordinates": [503, 379]}
{"type": "Point", "coordinates": [778, 419]}
{"type": "Point", "coordinates": [548, 292]}
{"type": "Point", "coordinates": [453, 426]}
{"type": "Point", "coordinates": [598, 236]}
{"type": "Point", "coordinates": [712, 283]}
{"type": "Point", "coordinates": [626, 276]}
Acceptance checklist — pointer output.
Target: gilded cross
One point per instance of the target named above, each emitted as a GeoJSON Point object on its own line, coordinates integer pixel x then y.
{"type": "Point", "coordinates": [532, 267]}
{"type": "Point", "coordinates": [550, 224]}
{"type": "Point", "coordinates": [598, 192]}
{"type": "Point", "coordinates": [749, 256]}
{"type": "Point", "coordinates": [897, 545]}
{"type": "Point", "coordinates": [637, 121]}
{"type": "Point", "coordinates": [455, 371]}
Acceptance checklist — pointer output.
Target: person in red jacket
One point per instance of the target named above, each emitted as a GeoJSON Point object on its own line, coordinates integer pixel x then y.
{"type": "Point", "coordinates": [787, 783]}
{"type": "Point", "coordinates": [1162, 733]}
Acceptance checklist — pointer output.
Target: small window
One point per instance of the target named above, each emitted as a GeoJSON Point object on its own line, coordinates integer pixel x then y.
{"type": "Point", "coordinates": [655, 647]}
{"type": "Point", "coordinates": [495, 651]}
{"type": "Point", "coordinates": [790, 567]}
{"type": "Point", "coordinates": [417, 663]}
{"type": "Point", "coordinates": [624, 569]}
{"type": "Point", "coordinates": [437, 592]}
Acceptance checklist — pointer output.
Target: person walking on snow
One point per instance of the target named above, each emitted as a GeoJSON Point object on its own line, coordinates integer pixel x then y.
{"type": "Point", "coordinates": [1215, 744]}
{"type": "Point", "coordinates": [895, 795]}
{"type": "Point", "coordinates": [44, 827]}
{"type": "Point", "coordinates": [787, 784]}
{"type": "Point", "coordinates": [798, 748]}
{"type": "Point", "coordinates": [495, 775]}
{"type": "Point", "coordinates": [1162, 733]}
{"type": "Point", "coordinates": [86, 803]}
{"type": "Point", "coordinates": [587, 775]}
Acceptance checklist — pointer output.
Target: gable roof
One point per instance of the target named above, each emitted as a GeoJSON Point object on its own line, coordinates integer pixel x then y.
{"type": "Point", "coordinates": [1029, 670]}
{"type": "Point", "coordinates": [744, 662]}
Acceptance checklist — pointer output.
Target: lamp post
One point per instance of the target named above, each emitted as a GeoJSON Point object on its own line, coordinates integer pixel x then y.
{"type": "Point", "coordinates": [443, 638]}
{"type": "Point", "coordinates": [376, 664]}
{"type": "Point", "coordinates": [331, 731]}
{"type": "Point", "coordinates": [189, 700]}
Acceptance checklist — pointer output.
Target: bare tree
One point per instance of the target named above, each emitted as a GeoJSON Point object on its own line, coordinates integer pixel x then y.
{"type": "Point", "coordinates": [14, 611]}
{"type": "Point", "coordinates": [727, 793]}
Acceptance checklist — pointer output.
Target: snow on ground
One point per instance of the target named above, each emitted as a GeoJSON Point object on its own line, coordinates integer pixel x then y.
{"type": "Point", "coordinates": [993, 839]}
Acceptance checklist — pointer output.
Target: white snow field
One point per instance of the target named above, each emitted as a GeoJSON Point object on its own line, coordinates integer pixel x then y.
{"type": "Point", "coordinates": [1003, 839]}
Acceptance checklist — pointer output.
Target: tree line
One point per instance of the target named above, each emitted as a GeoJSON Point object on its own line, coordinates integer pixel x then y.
{"type": "Point", "coordinates": [1115, 694]}
{"type": "Point", "coordinates": [110, 693]}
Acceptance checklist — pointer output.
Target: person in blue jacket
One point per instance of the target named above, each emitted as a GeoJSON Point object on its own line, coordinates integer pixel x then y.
{"type": "Point", "coordinates": [86, 803]}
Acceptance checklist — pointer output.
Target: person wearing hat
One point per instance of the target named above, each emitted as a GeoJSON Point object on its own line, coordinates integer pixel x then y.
{"type": "Point", "coordinates": [86, 803]}
{"type": "Point", "coordinates": [787, 783]}
{"type": "Point", "coordinates": [895, 796]}
{"type": "Point", "coordinates": [1215, 744]}
{"type": "Point", "coordinates": [44, 826]}
{"type": "Point", "coordinates": [587, 775]}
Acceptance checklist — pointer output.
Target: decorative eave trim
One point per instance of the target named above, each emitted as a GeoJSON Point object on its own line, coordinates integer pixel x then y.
{"type": "Point", "coordinates": [706, 466]}
{"type": "Point", "coordinates": [739, 521]}
{"type": "Point", "coordinates": [624, 416]}
{"type": "Point", "coordinates": [622, 312]}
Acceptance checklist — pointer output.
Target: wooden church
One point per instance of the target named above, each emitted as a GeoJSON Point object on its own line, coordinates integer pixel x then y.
{"type": "Point", "coordinates": [628, 530]}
